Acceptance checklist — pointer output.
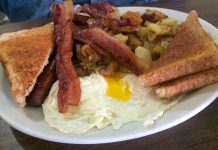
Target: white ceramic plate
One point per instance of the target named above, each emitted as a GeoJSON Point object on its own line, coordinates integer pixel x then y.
{"type": "Point", "coordinates": [31, 120]}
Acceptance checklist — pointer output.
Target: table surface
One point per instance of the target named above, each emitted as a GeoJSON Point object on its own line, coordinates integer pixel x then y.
{"type": "Point", "coordinates": [199, 132]}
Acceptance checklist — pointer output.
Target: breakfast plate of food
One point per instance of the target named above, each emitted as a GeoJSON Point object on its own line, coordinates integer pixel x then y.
{"type": "Point", "coordinates": [101, 74]}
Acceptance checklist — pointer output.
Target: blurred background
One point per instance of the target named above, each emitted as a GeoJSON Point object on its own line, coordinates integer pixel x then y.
{"type": "Point", "coordinates": [23, 10]}
{"type": "Point", "coordinates": [3, 19]}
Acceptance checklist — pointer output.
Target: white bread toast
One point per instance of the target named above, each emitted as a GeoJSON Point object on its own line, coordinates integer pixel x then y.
{"type": "Point", "coordinates": [191, 51]}
{"type": "Point", "coordinates": [23, 55]}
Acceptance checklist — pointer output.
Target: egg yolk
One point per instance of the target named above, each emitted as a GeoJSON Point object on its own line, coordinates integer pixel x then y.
{"type": "Point", "coordinates": [117, 88]}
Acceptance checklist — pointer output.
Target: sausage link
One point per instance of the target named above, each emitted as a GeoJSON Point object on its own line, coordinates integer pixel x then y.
{"type": "Point", "coordinates": [43, 85]}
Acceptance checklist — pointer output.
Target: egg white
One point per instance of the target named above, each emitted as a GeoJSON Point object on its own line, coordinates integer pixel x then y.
{"type": "Point", "coordinates": [97, 110]}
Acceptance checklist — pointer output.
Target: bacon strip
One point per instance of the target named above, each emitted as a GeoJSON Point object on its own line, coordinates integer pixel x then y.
{"type": "Point", "coordinates": [98, 15]}
{"type": "Point", "coordinates": [69, 86]}
{"type": "Point", "coordinates": [119, 51]}
{"type": "Point", "coordinates": [123, 25]}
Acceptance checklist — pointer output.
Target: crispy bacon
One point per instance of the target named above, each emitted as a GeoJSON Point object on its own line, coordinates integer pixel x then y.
{"type": "Point", "coordinates": [98, 15]}
{"type": "Point", "coordinates": [153, 16]}
{"type": "Point", "coordinates": [81, 18]}
{"type": "Point", "coordinates": [94, 15]}
{"type": "Point", "coordinates": [77, 28]}
{"type": "Point", "coordinates": [69, 86]}
{"type": "Point", "coordinates": [102, 8]}
{"type": "Point", "coordinates": [123, 25]}
{"type": "Point", "coordinates": [96, 37]}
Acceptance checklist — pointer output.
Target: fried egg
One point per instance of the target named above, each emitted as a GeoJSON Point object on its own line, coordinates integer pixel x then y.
{"type": "Point", "coordinates": [106, 101]}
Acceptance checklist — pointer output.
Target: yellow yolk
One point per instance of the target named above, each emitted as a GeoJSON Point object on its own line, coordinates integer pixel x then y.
{"type": "Point", "coordinates": [116, 88]}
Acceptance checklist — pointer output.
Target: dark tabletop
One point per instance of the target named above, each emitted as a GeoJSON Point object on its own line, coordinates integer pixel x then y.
{"type": "Point", "coordinates": [197, 133]}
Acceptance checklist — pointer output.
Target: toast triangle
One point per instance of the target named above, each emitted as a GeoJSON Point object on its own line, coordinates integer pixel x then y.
{"type": "Point", "coordinates": [23, 55]}
{"type": "Point", "coordinates": [192, 50]}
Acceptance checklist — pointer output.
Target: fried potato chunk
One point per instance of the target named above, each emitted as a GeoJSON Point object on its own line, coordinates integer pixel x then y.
{"type": "Point", "coordinates": [87, 55]}
{"type": "Point", "coordinates": [159, 29]}
{"type": "Point", "coordinates": [122, 38]}
{"type": "Point", "coordinates": [135, 16]}
{"type": "Point", "coordinates": [153, 16]}
{"type": "Point", "coordinates": [144, 54]}
{"type": "Point", "coordinates": [134, 41]}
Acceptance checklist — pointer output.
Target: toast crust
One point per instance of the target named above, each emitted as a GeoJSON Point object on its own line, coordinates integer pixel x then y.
{"type": "Point", "coordinates": [187, 83]}
{"type": "Point", "coordinates": [24, 54]}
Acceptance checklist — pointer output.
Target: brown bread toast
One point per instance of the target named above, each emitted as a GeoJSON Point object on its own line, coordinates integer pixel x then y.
{"type": "Point", "coordinates": [23, 55]}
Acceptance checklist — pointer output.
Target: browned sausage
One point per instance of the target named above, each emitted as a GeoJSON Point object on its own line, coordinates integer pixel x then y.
{"type": "Point", "coordinates": [43, 85]}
